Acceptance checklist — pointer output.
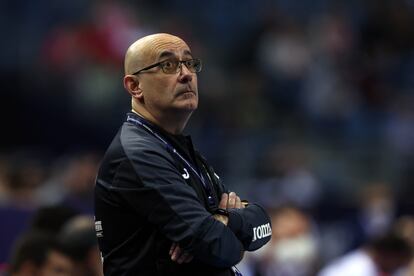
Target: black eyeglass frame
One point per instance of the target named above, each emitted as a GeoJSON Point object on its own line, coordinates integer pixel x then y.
{"type": "Point", "coordinates": [180, 62]}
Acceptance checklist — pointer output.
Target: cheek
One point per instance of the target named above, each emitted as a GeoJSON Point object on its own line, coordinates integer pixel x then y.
{"type": "Point", "coordinates": [165, 85]}
{"type": "Point", "coordinates": [156, 89]}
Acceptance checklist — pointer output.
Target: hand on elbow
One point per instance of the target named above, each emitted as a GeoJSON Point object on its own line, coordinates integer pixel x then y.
{"type": "Point", "coordinates": [178, 255]}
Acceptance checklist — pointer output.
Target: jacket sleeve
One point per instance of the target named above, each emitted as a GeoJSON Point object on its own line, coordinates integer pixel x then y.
{"type": "Point", "coordinates": [251, 225]}
{"type": "Point", "coordinates": [165, 200]}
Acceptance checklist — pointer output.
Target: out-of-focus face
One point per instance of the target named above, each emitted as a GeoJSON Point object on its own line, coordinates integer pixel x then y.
{"type": "Point", "coordinates": [168, 92]}
{"type": "Point", "coordinates": [56, 264]}
{"type": "Point", "coordinates": [289, 223]}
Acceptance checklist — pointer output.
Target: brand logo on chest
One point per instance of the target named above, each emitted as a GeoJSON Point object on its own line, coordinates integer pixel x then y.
{"type": "Point", "coordinates": [186, 175]}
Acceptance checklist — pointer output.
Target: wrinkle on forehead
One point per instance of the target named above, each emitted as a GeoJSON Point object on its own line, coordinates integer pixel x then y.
{"type": "Point", "coordinates": [146, 50]}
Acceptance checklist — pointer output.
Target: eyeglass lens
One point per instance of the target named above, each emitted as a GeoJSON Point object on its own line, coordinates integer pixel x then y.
{"type": "Point", "coordinates": [173, 66]}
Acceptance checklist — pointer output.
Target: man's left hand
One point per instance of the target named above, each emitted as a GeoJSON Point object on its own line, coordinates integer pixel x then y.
{"type": "Point", "coordinates": [178, 255]}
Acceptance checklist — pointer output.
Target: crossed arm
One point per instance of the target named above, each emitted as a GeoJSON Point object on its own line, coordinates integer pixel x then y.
{"type": "Point", "coordinates": [175, 208]}
{"type": "Point", "coordinates": [228, 201]}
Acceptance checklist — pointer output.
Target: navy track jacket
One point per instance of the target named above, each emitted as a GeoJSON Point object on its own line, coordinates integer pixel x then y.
{"type": "Point", "coordinates": [146, 198]}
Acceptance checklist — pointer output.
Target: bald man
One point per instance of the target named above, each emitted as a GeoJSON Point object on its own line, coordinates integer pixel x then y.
{"type": "Point", "coordinates": [160, 209]}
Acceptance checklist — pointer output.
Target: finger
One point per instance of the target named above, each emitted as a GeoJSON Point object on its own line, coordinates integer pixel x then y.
{"type": "Point", "coordinates": [223, 201]}
{"type": "Point", "coordinates": [239, 204]}
{"type": "Point", "coordinates": [232, 200]}
{"type": "Point", "coordinates": [176, 253]}
{"type": "Point", "coordinates": [172, 248]}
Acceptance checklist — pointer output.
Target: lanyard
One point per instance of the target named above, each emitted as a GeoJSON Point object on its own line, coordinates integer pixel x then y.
{"type": "Point", "coordinates": [138, 121]}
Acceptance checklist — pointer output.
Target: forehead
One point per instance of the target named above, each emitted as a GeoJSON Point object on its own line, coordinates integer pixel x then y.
{"type": "Point", "coordinates": [163, 48]}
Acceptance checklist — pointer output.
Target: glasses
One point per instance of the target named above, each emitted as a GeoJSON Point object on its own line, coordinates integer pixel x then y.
{"type": "Point", "coordinates": [173, 66]}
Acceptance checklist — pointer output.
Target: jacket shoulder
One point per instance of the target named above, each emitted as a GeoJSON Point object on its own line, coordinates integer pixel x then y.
{"type": "Point", "coordinates": [136, 138]}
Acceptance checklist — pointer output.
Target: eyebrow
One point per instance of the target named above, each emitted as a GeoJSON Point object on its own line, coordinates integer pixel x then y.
{"type": "Point", "coordinates": [171, 54]}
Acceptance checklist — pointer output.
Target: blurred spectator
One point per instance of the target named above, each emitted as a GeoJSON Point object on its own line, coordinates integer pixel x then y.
{"type": "Point", "coordinates": [399, 126]}
{"type": "Point", "coordinates": [79, 240]}
{"type": "Point", "coordinates": [286, 177]}
{"type": "Point", "coordinates": [21, 173]}
{"type": "Point", "coordinates": [404, 226]}
{"type": "Point", "coordinates": [3, 180]}
{"type": "Point", "coordinates": [284, 56]}
{"type": "Point", "coordinates": [47, 219]}
{"type": "Point", "coordinates": [377, 210]}
{"type": "Point", "coordinates": [39, 254]}
{"type": "Point", "coordinates": [72, 184]}
{"type": "Point", "coordinates": [293, 250]}
{"type": "Point", "coordinates": [24, 173]}
{"type": "Point", "coordinates": [373, 215]}
{"type": "Point", "coordinates": [328, 95]}
{"type": "Point", "coordinates": [382, 256]}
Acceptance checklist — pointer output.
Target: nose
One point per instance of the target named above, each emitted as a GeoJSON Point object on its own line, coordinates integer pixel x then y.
{"type": "Point", "coordinates": [185, 74]}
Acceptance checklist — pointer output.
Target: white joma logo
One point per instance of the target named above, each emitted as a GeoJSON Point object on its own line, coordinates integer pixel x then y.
{"type": "Point", "coordinates": [262, 231]}
{"type": "Point", "coordinates": [186, 175]}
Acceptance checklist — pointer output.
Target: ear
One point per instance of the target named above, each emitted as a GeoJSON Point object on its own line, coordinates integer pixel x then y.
{"type": "Point", "coordinates": [132, 85]}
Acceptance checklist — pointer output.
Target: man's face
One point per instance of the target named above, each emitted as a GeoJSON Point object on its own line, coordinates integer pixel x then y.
{"type": "Point", "coordinates": [56, 264]}
{"type": "Point", "coordinates": [165, 93]}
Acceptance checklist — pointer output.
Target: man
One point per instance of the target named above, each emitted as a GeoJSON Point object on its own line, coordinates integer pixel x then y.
{"type": "Point", "coordinates": [159, 207]}
{"type": "Point", "coordinates": [39, 254]}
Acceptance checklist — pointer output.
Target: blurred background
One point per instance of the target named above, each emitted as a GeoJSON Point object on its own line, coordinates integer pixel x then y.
{"type": "Point", "coordinates": [305, 106]}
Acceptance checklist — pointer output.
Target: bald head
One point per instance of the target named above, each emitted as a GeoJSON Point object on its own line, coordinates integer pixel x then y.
{"type": "Point", "coordinates": [146, 50]}
{"type": "Point", "coordinates": [166, 99]}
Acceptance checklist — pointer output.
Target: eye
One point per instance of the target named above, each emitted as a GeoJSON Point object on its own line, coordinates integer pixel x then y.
{"type": "Point", "coordinates": [190, 63]}
{"type": "Point", "coordinates": [194, 65]}
{"type": "Point", "coordinates": [169, 64]}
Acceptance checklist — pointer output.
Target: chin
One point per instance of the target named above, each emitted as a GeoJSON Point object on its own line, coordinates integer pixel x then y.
{"type": "Point", "coordinates": [188, 104]}
{"type": "Point", "coordinates": [191, 106]}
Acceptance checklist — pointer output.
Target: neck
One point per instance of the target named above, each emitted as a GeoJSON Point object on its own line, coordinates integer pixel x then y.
{"type": "Point", "coordinates": [171, 123]}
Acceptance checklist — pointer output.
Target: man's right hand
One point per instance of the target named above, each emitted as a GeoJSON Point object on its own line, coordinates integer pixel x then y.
{"type": "Point", "coordinates": [228, 201]}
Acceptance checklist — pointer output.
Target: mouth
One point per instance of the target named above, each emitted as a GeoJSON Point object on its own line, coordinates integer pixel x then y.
{"type": "Point", "coordinates": [187, 92]}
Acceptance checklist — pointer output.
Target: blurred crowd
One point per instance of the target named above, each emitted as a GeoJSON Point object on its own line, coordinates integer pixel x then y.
{"type": "Point", "coordinates": [314, 98]}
